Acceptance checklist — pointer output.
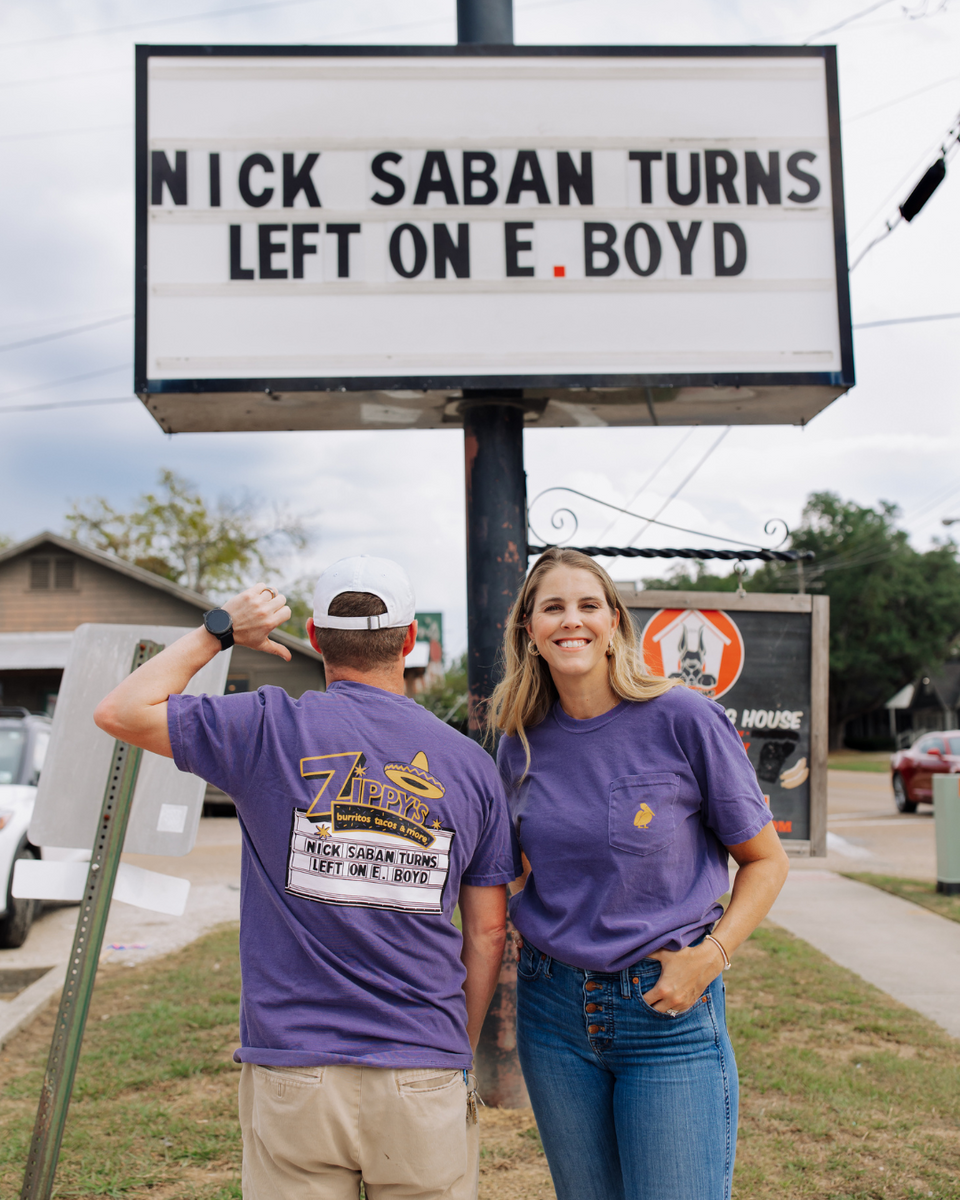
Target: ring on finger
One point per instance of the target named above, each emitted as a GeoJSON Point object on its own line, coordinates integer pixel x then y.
{"type": "Point", "coordinates": [672, 1012]}
{"type": "Point", "coordinates": [273, 594]}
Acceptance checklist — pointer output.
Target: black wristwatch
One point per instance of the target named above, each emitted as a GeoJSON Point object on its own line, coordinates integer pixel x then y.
{"type": "Point", "coordinates": [219, 622]}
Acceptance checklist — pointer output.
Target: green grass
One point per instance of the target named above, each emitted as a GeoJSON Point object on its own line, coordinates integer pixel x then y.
{"type": "Point", "coordinates": [919, 891]}
{"type": "Point", "coordinates": [858, 764]}
{"type": "Point", "coordinates": [845, 1094]}
{"type": "Point", "coordinates": [154, 1104]}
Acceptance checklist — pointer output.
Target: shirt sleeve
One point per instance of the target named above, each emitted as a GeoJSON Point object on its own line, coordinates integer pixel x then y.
{"type": "Point", "coordinates": [733, 804]}
{"type": "Point", "coordinates": [496, 859]}
{"type": "Point", "coordinates": [219, 738]}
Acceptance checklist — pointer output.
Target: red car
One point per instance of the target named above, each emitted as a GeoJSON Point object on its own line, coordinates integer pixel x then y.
{"type": "Point", "coordinates": [913, 770]}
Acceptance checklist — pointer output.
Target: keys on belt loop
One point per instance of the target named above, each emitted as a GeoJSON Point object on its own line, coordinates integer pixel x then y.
{"type": "Point", "coordinates": [472, 1097]}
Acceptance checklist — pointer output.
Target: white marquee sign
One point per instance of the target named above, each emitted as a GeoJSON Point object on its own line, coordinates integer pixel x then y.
{"type": "Point", "coordinates": [341, 237]}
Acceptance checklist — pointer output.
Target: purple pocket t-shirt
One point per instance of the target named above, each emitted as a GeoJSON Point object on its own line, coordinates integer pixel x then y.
{"type": "Point", "coordinates": [362, 814]}
{"type": "Point", "coordinates": [625, 819]}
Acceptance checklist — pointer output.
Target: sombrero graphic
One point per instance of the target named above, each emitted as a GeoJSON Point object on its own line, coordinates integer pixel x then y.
{"type": "Point", "coordinates": [415, 777]}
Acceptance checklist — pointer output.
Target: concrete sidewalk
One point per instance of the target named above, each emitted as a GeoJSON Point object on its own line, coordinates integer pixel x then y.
{"type": "Point", "coordinates": [907, 951]}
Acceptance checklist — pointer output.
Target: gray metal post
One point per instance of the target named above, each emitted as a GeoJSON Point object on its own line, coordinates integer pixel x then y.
{"type": "Point", "coordinates": [488, 22]}
{"type": "Point", "coordinates": [75, 1002]}
{"type": "Point", "coordinates": [496, 566]}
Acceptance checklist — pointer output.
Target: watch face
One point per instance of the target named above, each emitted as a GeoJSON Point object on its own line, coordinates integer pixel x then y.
{"type": "Point", "coordinates": [218, 621]}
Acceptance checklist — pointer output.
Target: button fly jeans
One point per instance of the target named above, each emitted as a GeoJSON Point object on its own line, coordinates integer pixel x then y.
{"type": "Point", "coordinates": [631, 1104]}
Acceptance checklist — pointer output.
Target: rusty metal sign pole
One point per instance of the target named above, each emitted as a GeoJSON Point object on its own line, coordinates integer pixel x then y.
{"type": "Point", "coordinates": [82, 972]}
{"type": "Point", "coordinates": [496, 567]}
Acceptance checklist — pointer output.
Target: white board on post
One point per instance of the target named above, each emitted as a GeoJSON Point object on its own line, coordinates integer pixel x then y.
{"type": "Point", "coordinates": [167, 803]}
{"type": "Point", "coordinates": [345, 237]}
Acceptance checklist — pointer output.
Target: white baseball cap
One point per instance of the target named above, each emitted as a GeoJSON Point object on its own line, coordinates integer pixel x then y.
{"type": "Point", "coordinates": [380, 577]}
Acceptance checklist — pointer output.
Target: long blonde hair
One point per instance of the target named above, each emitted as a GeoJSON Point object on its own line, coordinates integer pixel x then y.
{"type": "Point", "coordinates": [526, 691]}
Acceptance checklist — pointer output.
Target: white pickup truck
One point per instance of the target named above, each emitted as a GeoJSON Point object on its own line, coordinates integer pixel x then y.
{"type": "Point", "coordinates": [24, 737]}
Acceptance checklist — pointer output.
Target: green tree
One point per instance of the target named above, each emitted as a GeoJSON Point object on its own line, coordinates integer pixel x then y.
{"type": "Point", "coordinates": [893, 609]}
{"type": "Point", "coordinates": [448, 699]}
{"type": "Point", "coordinates": [173, 532]}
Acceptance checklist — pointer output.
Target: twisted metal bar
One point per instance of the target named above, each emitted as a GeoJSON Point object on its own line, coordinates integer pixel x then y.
{"type": "Point", "coordinates": [788, 556]}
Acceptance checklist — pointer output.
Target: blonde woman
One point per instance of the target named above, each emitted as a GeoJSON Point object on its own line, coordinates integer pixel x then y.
{"type": "Point", "coordinates": [627, 793]}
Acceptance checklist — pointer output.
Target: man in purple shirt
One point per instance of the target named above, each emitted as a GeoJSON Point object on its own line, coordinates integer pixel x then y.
{"type": "Point", "coordinates": [365, 821]}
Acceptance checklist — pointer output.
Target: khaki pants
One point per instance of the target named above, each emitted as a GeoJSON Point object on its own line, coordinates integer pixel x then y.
{"type": "Point", "coordinates": [317, 1131]}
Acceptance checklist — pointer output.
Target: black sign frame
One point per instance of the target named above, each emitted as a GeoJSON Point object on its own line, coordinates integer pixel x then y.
{"type": "Point", "coordinates": [519, 384]}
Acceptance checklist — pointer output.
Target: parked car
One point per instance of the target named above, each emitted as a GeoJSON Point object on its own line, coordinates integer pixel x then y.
{"type": "Point", "coordinates": [24, 737]}
{"type": "Point", "coordinates": [913, 770]}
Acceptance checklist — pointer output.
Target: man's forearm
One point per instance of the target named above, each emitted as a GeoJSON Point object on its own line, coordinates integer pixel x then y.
{"type": "Point", "coordinates": [482, 956]}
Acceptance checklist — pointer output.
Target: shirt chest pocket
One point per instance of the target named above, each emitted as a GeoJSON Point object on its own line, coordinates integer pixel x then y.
{"type": "Point", "coordinates": [643, 812]}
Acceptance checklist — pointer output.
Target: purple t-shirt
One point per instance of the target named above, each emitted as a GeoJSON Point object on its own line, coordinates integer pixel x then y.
{"type": "Point", "coordinates": [624, 819]}
{"type": "Point", "coordinates": [362, 814]}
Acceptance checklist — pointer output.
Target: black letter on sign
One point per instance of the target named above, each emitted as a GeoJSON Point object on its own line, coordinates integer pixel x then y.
{"type": "Point", "coordinates": [443, 183]}
{"type": "Point", "coordinates": [343, 249]}
{"type": "Point", "coordinates": [268, 249]}
{"type": "Point", "coordinates": [419, 251]}
{"type": "Point", "coordinates": [793, 166]}
{"type": "Point", "coordinates": [685, 244]}
{"type": "Point", "coordinates": [514, 246]}
{"type": "Point", "coordinates": [569, 177]}
{"type": "Point", "coordinates": [214, 180]}
{"type": "Point", "coordinates": [484, 176]}
{"type": "Point", "coordinates": [719, 265]}
{"type": "Point", "coordinates": [592, 247]}
{"type": "Point", "coordinates": [520, 183]}
{"type": "Point", "coordinates": [236, 270]}
{"type": "Point", "coordinates": [676, 196]}
{"type": "Point", "coordinates": [717, 179]}
{"type": "Point", "coordinates": [445, 250]}
{"type": "Point", "coordinates": [301, 248]}
{"type": "Point", "coordinates": [767, 181]}
{"type": "Point", "coordinates": [645, 158]}
{"type": "Point", "coordinates": [174, 177]}
{"type": "Point", "coordinates": [380, 171]}
{"type": "Point", "coordinates": [299, 182]}
{"type": "Point", "coordinates": [251, 198]}
{"type": "Point", "coordinates": [653, 247]}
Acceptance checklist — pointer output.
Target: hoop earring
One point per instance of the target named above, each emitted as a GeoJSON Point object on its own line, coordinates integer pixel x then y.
{"type": "Point", "coordinates": [610, 651]}
{"type": "Point", "coordinates": [532, 649]}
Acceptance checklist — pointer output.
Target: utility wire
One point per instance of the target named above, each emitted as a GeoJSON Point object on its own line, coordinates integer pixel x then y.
{"type": "Point", "coordinates": [42, 387]}
{"type": "Point", "coordinates": [847, 21]}
{"type": "Point", "coordinates": [653, 520]}
{"type": "Point", "coordinates": [14, 408]}
{"type": "Point", "coordinates": [650, 478]}
{"type": "Point", "coordinates": [900, 99]}
{"type": "Point", "coordinates": [62, 333]}
{"type": "Point", "coordinates": [896, 321]}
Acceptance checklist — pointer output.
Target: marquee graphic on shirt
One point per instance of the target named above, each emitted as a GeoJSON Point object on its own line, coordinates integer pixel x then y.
{"type": "Point", "coordinates": [364, 841]}
{"type": "Point", "coordinates": [702, 648]}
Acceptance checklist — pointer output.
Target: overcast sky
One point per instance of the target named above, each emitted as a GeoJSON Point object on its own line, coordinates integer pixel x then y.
{"type": "Point", "coordinates": [66, 206]}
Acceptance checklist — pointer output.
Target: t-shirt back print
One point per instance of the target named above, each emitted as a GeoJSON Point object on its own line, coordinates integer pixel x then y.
{"type": "Point", "coordinates": [370, 842]}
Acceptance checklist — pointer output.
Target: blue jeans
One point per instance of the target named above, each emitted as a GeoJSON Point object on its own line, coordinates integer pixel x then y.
{"type": "Point", "coordinates": [631, 1104]}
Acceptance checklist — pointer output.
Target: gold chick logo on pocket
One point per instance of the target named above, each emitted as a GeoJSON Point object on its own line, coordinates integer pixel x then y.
{"type": "Point", "coordinates": [645, 815]}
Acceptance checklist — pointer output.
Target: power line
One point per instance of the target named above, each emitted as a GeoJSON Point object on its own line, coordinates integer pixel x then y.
{"type": "Point", "coordinates": [847, 21]}
{"type": "Point", "coordinates": [42, 387]}
{"type": "Point", "coordinates": [157, 21]}
{"type": "Point", "coordinates": [14, 408]}
{"type": "Point", "coordinates": [45, 133]}
{"type": "Point", "coordinates": [650, 478]}
{"type": "Point", "coordinates": [62, 333]}
{"type": "Point", "coordinates": [653, 520]}
{"type": "Point", "coordinates": [900, 99]}
{"type": "Point", "coordinates": [896, 320]}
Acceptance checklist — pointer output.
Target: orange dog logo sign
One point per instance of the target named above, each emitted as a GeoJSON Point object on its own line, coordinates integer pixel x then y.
{"type": "Point", "coordinates": [704, 649]}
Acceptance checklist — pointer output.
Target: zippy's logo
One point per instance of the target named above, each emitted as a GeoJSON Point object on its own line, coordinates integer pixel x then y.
{"type": "Point", "coordinates": [703, 649]}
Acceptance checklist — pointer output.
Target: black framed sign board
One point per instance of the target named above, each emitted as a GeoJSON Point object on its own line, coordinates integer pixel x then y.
{"type": "Point", "coordinates": [765, 658]}
{"type": "Point", "coordinates": [362, 237]}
